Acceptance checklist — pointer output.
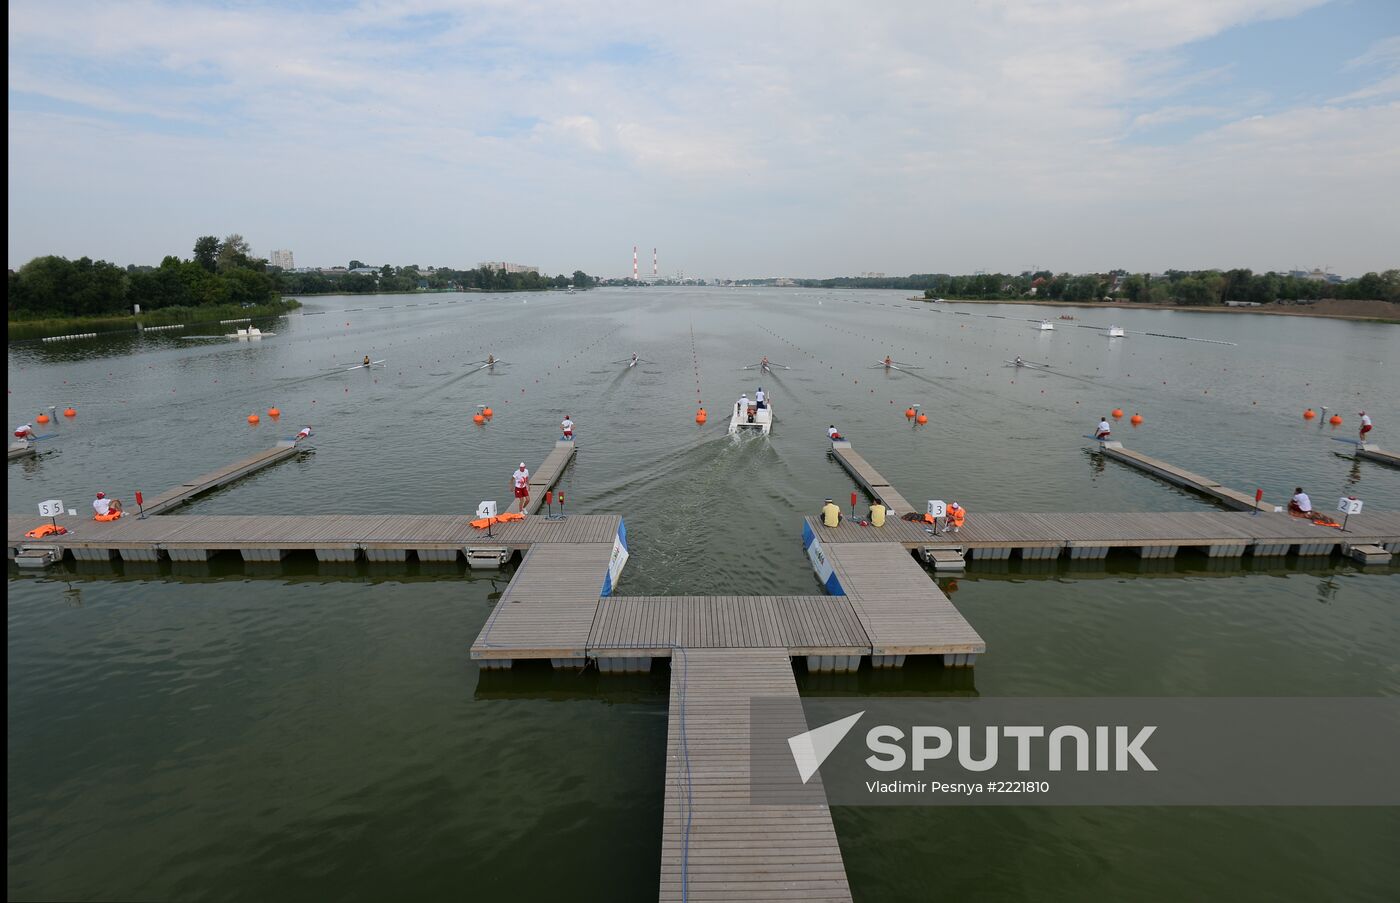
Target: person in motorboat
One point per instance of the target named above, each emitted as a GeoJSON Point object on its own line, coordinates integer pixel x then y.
{"type": "Point", "coordinates": [742, 406]}
{"type": "Point", "coordinates": [760, 399]}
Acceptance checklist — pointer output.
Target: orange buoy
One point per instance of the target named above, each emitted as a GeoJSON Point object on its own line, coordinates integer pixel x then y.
{"type": "Point", "coordinates": [254, 418]}
{"type": "Point", "coordinates": [701, 416]}
{"type": "Point", "coordinates": [477, 418]}
{"type": "Point", "coordinates": [1308, 414]}
{"type": "Point", "coordinates": [1335, 420]}
{"type": "Point", "coordinates": [69, 412]}
{"type": "Point", "coordinates": [909, 413]}
{"type": "Point", "coordinates": [273, 412]}
{"type": "Point", "coordinates": [922, 418]}
{"type": "Point", "coordinates": [1117, 413]}
{"type": "Point", "coordinates": [1135, 419]}
{"type": "Point", "coordinates": [487, 412]}
{"type": "Point", "coordinates": [42, 418]}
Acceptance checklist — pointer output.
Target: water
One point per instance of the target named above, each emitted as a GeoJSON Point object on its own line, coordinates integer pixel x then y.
{"type": "Point", "coordinates": [211, 733]}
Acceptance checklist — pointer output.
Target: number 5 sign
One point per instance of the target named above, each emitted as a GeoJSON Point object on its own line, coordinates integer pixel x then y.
{"type": "Point", "coordinates": [51, 508]}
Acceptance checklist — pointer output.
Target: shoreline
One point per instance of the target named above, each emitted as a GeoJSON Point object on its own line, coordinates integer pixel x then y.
{"type": "Point", "coordinates": [122, 324]}
{"type": "Point", "coordinates": [1309, 310]}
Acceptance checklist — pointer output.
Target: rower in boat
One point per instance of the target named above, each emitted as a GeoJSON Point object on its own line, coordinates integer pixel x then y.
{"type": "Point", "coordinates": [763, 364]}
{"type": "Point", "coordinates": [889, 362]}
{"type": "Point", "coordinates": [366, 362]}
{"type": "Point", "coordinates": [1019, 362]}
{"type": "Point", "coordinates": [634, 360]}
{"type": "Point", "coordinates": [490, 360]}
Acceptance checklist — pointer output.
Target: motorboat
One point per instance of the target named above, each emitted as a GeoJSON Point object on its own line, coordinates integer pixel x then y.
{"type": "Point", "coordinates": [1046, 326]}
{"type": "Point", "coordinates": [252, 332]}
{"type": "Point", "coordinates": [1116, 332]}
{"type": "Point", "coordinates": [749, 417]}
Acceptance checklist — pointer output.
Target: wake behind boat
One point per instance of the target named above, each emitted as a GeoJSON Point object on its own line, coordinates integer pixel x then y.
{"type": "Point", "coordinates": [748, 416]}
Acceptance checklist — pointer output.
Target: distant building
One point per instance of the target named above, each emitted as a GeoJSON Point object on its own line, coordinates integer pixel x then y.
{"type": "Point", "coordinates": [281, 259]}
{"type": "Point", "coordinates": [333, 271]}
{"type": "Point", "coordinates": [872, 275]}
{"type": "Point", "coordinates": [508, 267]}
{"type": "Point", "coordinates": [365, 271]}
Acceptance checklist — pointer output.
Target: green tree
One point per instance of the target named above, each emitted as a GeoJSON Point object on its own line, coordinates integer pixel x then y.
{"type": "Point", "coordinates": [357, 264]}
{"type": "Point", "coordinates": [206, 252]}
{"type": "Point", "coordinates": [233, 252]}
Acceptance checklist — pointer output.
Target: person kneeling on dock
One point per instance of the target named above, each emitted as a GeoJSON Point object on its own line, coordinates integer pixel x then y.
{"type": "Point", "coordinates": [1104, 430]}
{"type": "Point", "coordinates": [834, 435]}
{"type": "Point", "coordinates": [956, 515]}
{"type": "Point", "coordinates": [831, 515]}
{"type": "Point", "coordinates": [25, 431]}
{"type": "Point", "coordinates": [1300, 505]}
{"type": "Point", "coordinates": [105, 508]}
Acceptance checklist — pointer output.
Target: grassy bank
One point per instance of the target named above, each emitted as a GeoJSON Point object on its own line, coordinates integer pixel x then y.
{"type": "Point", "coordinates": [40, 328]}
{"type": "Point", "coordinates": [1328, 308]}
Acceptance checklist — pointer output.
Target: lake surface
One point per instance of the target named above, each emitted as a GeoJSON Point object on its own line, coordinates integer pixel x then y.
{"type": "Point", "coordinates": [210, 732]}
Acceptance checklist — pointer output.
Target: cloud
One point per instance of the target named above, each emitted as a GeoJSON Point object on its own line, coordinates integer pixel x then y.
{"type": "Point", "coordinates": [841, 126]}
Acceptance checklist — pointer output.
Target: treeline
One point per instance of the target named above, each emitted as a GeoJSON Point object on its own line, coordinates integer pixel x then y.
{"type": "Point", "coordinates": [1200, 287]}
{"type": "Point", "coordinates": [410, 278]}
{"type": "Point", "coordinates": [219, 274]}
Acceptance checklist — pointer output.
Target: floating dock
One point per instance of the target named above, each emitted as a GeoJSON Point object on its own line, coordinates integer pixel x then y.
{"type": "Point", "coordinates": [1232, 498]}
{"type": "Point", "coordinates": [21, 450]}
{"type": "Point", "coordinates": [191, 489]}
{"type": "Point", "coordinates": [715, 843]}
{"type": "Point", "coordinates": [869, 478]}
{"type": "Point", "coordinates": [543, 479]}
{"type": "Point", "coordinates": [1376, 453]}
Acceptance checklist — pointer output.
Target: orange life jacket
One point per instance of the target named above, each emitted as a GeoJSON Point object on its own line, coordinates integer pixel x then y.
{"type": "Point", "coordinates": [111, 515]}
{"type": "Point", "coordinates": [956, 515]}
{"type": "Point", "coordinates": [43, 530]}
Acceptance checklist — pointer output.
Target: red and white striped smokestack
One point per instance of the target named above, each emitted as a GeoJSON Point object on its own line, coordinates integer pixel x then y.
{"type": "Point", "coordinates": [634, 263]}
{"type": "Point", "coordinates": [653, 262]}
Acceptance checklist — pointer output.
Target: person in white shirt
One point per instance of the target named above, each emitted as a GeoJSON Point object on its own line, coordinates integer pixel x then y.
{"type": "Point", "coordinates": [833, 434]}
{"type": "Point", "coordinates": [521, 482]}
{"type": "Point", "coordinates": [103, 506]}
{"type": "Point", "coordinates": [743, 404]}
{"type": "Point", "coordinates": [1104, 429]}
{"type": "Point", "coordinates": [567, 426]}
{"type": "Point", "coordinates": [1365, 425]}
{"type": "Point", "coordinates": [760, 399]}
{"type": "Point", "coordinates": [1300, 505]}
{"type": "Point", "coordinates": [24, 432]}
{"type": "Point", "coordinates": [304, 433]}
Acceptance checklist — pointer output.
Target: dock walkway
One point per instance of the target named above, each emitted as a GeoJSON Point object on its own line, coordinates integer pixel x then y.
{"type": "Point", "coordinates": [1376, 453]}
{"type": "Point", "coordinates": [1183, 477]}
{"type": "Point", "coordinates": [222, 477]}
{"type": "Point", "coordinates": [869, 478]}
{"type": "Point", "coordinates": [716, 844]}
{"type": "Point", "coordinates": [548, 474]}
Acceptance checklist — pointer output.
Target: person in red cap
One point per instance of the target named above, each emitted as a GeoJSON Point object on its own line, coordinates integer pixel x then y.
{"type": "Point", "coordinates": [520, 481]}
{"type": "Point", "coordinates": [1365, 425]}
{"type": "Point", "coordinates": [104, 506]}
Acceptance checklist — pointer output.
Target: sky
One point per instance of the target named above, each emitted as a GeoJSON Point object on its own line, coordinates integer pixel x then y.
{"type": "Point", "coordinates": [800, 138]}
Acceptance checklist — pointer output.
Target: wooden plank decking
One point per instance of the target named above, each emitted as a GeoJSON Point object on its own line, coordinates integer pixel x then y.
{"type": "Point", "coordinates": [1129, 530]}
{"type": "Point", "coordinates": [547, 610]}
{"type": "Point", "coordinates": [715, 844]}
{"type": "Point", "coordinates": [869, 478]}
{"type": "Point", "coordinates": [654, 625]}
{"type": "Point", "coordinates": [221, 477]}
{"type": "Point", "coordinates": [1375, 453]}
{"type": "Point", "coordinates": [549, 472]}
{"type": "Point", "coordinates": [1180, 476]}
{"type": "Point", "coordinates": [317, 531]}
{"type": "Point", "coordinates": [21, 450]}
{"type": "Point", "coordinates": [900, 608]}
